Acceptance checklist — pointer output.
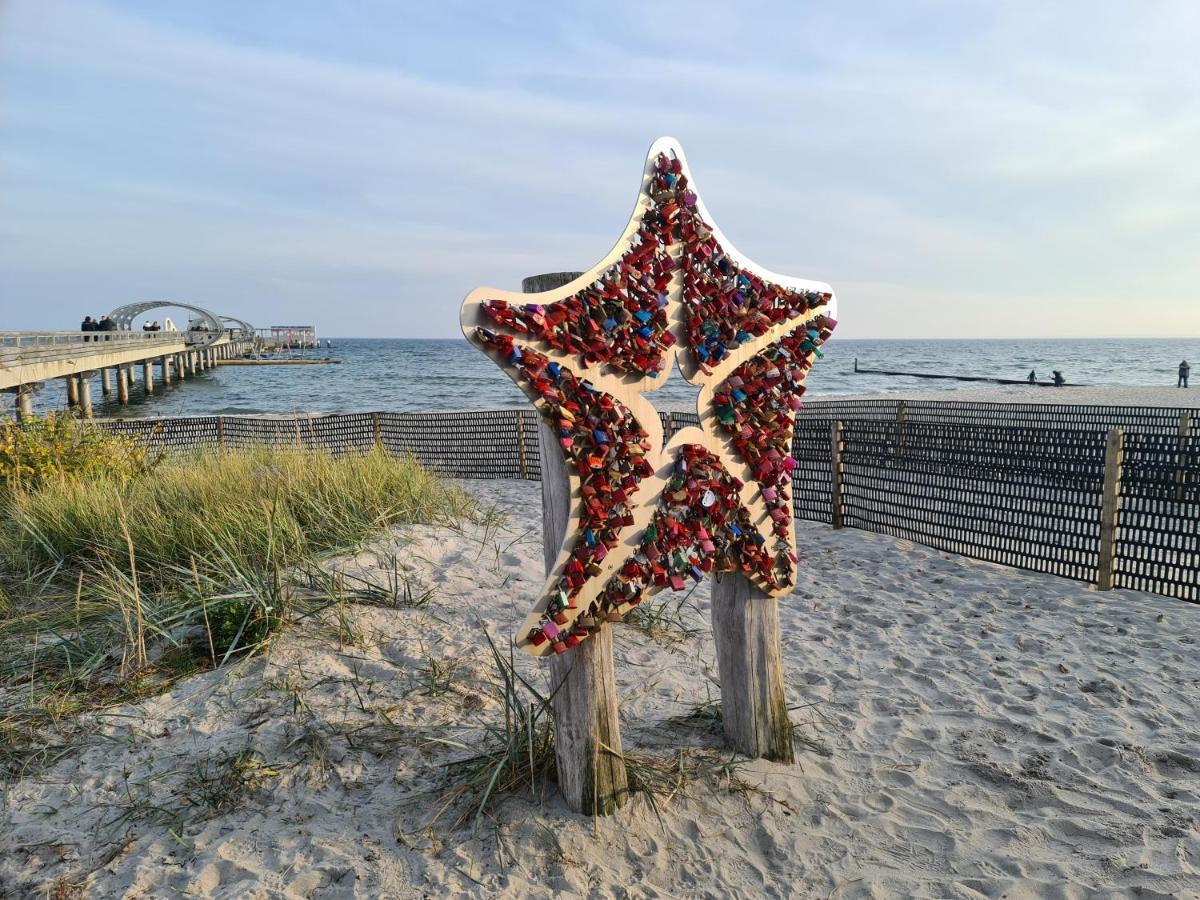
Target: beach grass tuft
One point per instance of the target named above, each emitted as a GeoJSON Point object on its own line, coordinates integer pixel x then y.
{"type": "Point", "coordinates": [508, 757]}
{"type": "Point", "coordinates": [113, 584]}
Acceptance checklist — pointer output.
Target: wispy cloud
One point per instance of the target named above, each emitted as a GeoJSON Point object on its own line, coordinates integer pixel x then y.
{"type": "Point", "coordinates": [951, 167]}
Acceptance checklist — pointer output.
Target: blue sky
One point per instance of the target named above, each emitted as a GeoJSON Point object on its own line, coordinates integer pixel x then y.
{"type": "Point", "coordinates": [954, 169]}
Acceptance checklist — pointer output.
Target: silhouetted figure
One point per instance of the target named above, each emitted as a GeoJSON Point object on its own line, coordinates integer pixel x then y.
{"type": "Point", "coordinates": [1059, 381]}
{"type": "Point", "coordinates": [145, 326]}
{"type": "Point", "coordinates": [1032, 377]}
{"type": "Point", "coordinates": [87, 325]}
{"type": "Point", "coordinates": [1184, 371]}
{"type": "Point", "coordinates": [106, 324]}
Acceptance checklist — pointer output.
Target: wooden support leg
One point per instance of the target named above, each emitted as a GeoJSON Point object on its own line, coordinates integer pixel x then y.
{"type": "Point", "coordinates": [25, 402]}
{"type": "Point", "coordinates": [753, 705]}
{"type": "Point", "coordinates": [587, 728]}
{"type": "Point", "coordinates": [123, 374]}
{"type": "Point", "coordinates": [85, 394]}
{"type": "Point", "coordinates": [72, 391]}
{"type": "Point", "coordinates": [148, 376]}
{"type": "Point", "coordinates": [105, 382]}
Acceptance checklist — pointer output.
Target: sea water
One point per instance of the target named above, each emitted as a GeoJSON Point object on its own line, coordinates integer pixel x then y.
{"type": "Point", "coordinates": [412, 375]}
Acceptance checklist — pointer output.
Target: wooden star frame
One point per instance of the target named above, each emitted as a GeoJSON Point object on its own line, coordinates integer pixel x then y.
{"type": "Point", "coordinates": [671, 291]}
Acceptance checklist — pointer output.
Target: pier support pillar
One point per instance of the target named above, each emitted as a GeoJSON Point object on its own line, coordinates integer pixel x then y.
{"type": "Point", "coordinates": [148, 376]}
{"type": "Point", "coordinates": [106, 381]}
{"type": "Point", "coordinates": [72, 391]}
{"type": "Point", "coordinates": [24, 402]}
{"type": "Point", "coordinates": [191, 362]}
{"type": "Point", "coordinates": [165, 364]}
{"type": "Point", "coordinates": [85, 394]}
{"type": "Point", "coordinates": [123, 373]}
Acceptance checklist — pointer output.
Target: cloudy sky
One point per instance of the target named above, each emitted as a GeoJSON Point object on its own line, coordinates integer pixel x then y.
{"type": "Point", "coordinates": [954, 169]}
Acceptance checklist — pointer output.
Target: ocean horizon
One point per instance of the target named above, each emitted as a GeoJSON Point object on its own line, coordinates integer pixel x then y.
{"type": "Point", "coordinates": [423, 374]}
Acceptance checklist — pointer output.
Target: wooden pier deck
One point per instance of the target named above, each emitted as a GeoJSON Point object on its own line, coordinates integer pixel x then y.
{"type": "Point", "coordinates": [29, 358]}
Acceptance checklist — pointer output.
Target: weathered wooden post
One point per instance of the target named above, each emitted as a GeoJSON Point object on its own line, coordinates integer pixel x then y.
{"type": "Point", "coordinates": [148, 376]}
{"type": "Point", "coordinates": [1185, 429]}
{"type": "Point", "coordinates": [837, 490]}
{"type": "Point", "coordinates": [72, 391]}
{"type": "Point", "coordinates": [25, 402]}
{"type": "Point", "coordinates": [587, 727]}
{"type": "Point", "coordinates": [85, 393]}
{"type": "Point", "coordinates": [754, 709]}
{"type": "Point", "coordinates": [105, 382]}
{"type": "Point", "coordinates": [164, 363]}
{"type": "Point", "coordinates": [1110, 506]}
{"type": "Point", "coordinates": [123, 373]}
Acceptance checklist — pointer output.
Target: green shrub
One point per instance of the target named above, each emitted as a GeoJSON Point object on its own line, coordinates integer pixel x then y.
{"type": "Point", "coordinates": [62, 449]}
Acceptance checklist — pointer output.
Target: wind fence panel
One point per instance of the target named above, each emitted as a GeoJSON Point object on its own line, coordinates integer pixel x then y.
{"type": "Point", "coordinates": [484, 444]}
{"type": "Point", "coordinates": [1158, 531]}
{"type": "Point", "coordinates": [161, 435]}
{"type": "Point", "coordinates": [1054, 416]}
{"type": "Point", "coordinates": [1017, 496]}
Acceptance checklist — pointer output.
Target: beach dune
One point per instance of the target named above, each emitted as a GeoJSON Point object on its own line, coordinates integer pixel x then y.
{"type": "Point", "coordinates": [966, 730]}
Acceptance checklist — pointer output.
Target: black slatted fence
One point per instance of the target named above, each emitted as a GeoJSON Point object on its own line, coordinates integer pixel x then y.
{"type": "Point", "coordinates": [1016, 484]}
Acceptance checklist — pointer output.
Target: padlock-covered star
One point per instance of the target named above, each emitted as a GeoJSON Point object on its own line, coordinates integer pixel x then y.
{"type": "Point", "coordinates": [647, 516]}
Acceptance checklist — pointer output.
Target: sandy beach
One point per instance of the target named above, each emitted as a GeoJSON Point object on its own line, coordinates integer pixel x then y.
{"type": "Point", "coordinates": [966, 731]}
{"type": "Point", "coordinates": [1095, 395]}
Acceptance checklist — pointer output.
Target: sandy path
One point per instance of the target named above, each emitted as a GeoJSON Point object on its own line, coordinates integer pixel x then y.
{"type": "Point", "coordinates": [977, 732]}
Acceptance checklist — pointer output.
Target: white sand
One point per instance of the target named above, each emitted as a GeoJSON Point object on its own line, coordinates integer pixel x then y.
{"type": "Point", "coordinates": [987, 733]}
{"type": "Point", "coordinates": [1095, 395]}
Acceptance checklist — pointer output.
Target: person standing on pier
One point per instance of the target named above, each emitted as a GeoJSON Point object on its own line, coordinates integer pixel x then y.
{"type": "Point", "coordinates": [87, 325]}
{"type": "Point", "coordinates": [1184, 371]}
{"type": "Point", "coordinates": [1059, 381]}
{"type": "Point", "coordinates": [1032, 377]}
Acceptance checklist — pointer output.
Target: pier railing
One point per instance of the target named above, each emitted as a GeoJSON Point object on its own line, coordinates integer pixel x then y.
{"type": "Point", "coordinates": [1105, 495]}
{"type": "Point", "coordinates": [18, 347]}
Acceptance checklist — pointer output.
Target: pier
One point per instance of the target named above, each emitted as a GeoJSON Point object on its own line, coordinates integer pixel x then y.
{"type": "Point", "coordinates": [118, 359]}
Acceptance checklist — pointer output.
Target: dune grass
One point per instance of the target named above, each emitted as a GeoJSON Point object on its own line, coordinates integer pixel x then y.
{"type": "Point", "coordinates": [113, 585]}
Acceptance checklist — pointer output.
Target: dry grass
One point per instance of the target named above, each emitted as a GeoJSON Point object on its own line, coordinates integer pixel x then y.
{"type": "Point", "coordinates": [112, 588]}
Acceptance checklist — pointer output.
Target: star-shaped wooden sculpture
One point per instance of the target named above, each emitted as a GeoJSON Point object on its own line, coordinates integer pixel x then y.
{"type": "Point", "coordinates": [716, 498]}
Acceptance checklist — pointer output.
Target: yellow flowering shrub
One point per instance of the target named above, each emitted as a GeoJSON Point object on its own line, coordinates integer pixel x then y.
{"type": "Point", "coordinates": [62, 448]}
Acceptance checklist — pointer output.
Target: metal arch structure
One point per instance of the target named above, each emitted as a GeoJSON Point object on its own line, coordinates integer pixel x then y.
{"type": "Point", "coordinates": [124, 315]}
{"type": "Point", "coordinates": [245, 327]}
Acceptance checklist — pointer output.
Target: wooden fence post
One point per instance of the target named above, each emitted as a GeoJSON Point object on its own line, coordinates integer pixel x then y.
{"type": "Point", "coordinates": [1110, 504]}
{"type": "Point", "coordinates": [587, 728]}
{"type": "Point", "coordinates": [221, 432]}
{"type": "Point", "coordinates": [1185, 429]}
{"type": "Point", "coordinates": [376, 431]}
{"type": "Point", "coordinates": [837, 480]}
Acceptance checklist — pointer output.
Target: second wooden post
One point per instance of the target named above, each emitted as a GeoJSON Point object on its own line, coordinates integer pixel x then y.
{"type": "Point", "coordinates": [750, 662]}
